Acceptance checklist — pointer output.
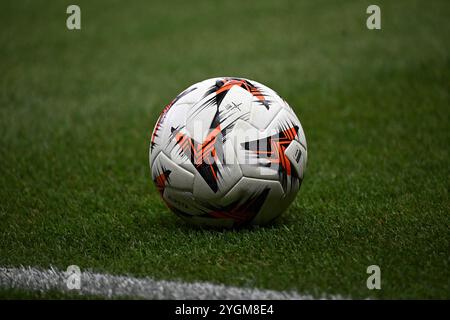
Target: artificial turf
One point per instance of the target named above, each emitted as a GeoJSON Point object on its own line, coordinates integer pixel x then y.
{"type": "Point", "coordinates": [77, 109]}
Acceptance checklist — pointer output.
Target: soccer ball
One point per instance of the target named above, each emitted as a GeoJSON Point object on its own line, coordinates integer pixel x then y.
{"type": "Point", "coordinates": [228, 152]}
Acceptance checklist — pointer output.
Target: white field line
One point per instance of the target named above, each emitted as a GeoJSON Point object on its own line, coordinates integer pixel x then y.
{"type": "Point", "coordinates": [111, 286]}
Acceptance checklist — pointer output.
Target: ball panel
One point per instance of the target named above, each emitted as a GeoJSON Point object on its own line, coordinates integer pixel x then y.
{"type": "Point", "coordinates": [261, 117]}
{"type": "Point", "coordinates": [235, 209]}
{"type": "Point", "coordinates": [209, 114]}
{"type": "Point", "coordinates": [173, 115]}
{"type": "Point", "coordinates": [214, 180]}
{"type": "Point", "coordinates": [301, 133]}
{"type": "Point", "coordinates": [171, 174]}
{"type": "Point", "coordinates": [248, 198]}
{"type": "Point", "coordinates": [262, 153]}
{"type": "Point", "coordinates": [252, 151]}
{"type": "Point", "coordinates": [297, 155]}
{"type": "Point", "coordinates": [275, 204]}
{"type": "Point", "coordinates": [183, 203]}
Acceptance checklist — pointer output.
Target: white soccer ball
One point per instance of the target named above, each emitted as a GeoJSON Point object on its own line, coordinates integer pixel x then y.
{"type": "Point", "coordinates": [228, 152]}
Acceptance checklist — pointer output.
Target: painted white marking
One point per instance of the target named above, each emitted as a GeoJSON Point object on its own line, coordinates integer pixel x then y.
{"type": "Point", "coordinates": [109, 286]}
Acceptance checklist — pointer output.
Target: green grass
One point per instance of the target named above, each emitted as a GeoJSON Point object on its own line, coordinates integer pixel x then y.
{"type": "Point", "coordinates": [20, 294]}
{"type": "Point", "coordinates": [77, 109]}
